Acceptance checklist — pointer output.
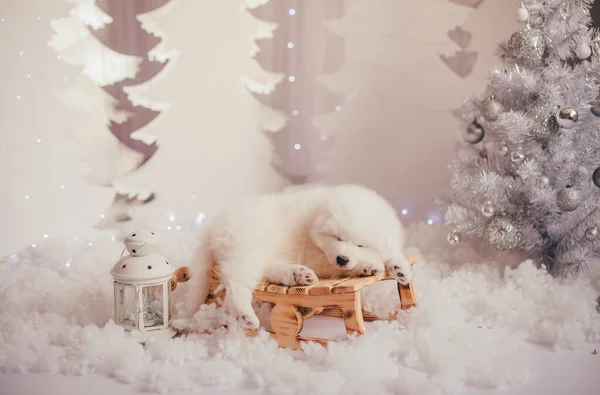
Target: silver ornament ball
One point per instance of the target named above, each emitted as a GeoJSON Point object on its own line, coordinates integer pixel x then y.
{"type": "Point", "coordinates": [488, 210]}
{"type": "Point", "coordinates": [503, 233]}
{"type": "Point", "coordinates": [522, 14]}
{"type": "Point", "coordinates": [566, 117]}
{"type": "Point", "coordinates": [454, 238]}
{"type": "Point", "coordinates": [568, 199]}
{"type": "Point", "coordinates": [545, 124]}
{"type": "Point", "coordinates": [591, 234]}
{"type": "Point", "coordinates": [596, 177]}
{"type": "Point", "coordinates": [583, 51]}
{"type": "Point", "coordinates": [595, 109]}
{"type": "Point", "coordinates": [527, 47]}
{"type": "Point", "coordinates": [542, 182]}
{"type": "Point", "coordinates": [491, 109]}
{"type": "Point", "coordinates": [474, 133]}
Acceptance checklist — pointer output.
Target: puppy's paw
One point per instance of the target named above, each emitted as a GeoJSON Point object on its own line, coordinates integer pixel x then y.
{"type": "Point", "coordinates": [369, 269]}
{"type": "Point", "coordinates": [291, 275]}
{"type": "Point", "coordinates": [400, 270]}
{"type": "Point", "coordinates": [303, 275]}
{"type": "Point", "coordinates": [249, 321]}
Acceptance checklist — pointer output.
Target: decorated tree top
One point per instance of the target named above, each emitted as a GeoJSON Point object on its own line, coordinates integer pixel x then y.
{"type": "Point", "coordinates": [529, 177]}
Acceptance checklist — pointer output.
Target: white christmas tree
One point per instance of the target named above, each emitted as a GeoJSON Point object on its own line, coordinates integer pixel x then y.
{"type": "Point", "coordinates": [210, 149]}
{"type": "Point", "coordinates": [527, 178]}
{"type": "Point", "coordinates": [90, 37]}
{"type": "Point", "coordinates": [43, 195]}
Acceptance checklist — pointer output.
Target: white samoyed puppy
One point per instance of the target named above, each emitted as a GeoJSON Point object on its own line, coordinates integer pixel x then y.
{"type": "Point", "coordinates": [295, 237]}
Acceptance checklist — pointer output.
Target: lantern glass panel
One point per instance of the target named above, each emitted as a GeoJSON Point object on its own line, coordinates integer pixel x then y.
{"type": "Point", "coordinates": [126, 309]}
{"type": "Point", "coordinates": [153, 306]}
{"type": "Point", "coordinates": [169, 303]}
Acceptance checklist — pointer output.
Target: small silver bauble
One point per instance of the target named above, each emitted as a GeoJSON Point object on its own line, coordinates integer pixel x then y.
{"type": "Point", "coordinates": [488, 210]}
{"type": "Point", "coordinates": [596, 177]}
{"type": "Point", "coordinates": [502, 233]}
{"type": "Point", "coordinates": [544, 123]}
{"type": "Point", "coordinates": [542, 182]}
{"type": "Point", "coordinates": [454, 238]}
{"type": "Point", "coordinates": [522, 14]}
{"type": "Point", "coordinates": [583, 51]}
{"type": "Point", "coordinates": [474, 133]}
{"type": "Point", "coordinates": [566, 117]}
{"type": "Point", "coordinates": [591, 234]}
{"type": "Point", "coordinates": [491, 109]}
{"type": "Point", "coordinates": [503, 149]}
{"type": "Point", "coordinates": [596, 107]}
{"type": "Point", "coordinates": [527, 47]}
{"type": "Point", "coordinates": [568, 199]}
{"type": "Point", "coordinates": [517, 156]}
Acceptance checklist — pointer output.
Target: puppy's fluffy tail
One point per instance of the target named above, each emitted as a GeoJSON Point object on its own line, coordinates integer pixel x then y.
{"type": "Point", "coordinates": [197, 286]}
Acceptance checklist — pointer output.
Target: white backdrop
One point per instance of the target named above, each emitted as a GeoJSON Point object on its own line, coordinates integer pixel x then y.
{"type": "Point", "coordinates": [394, 131]}
{"type": "Point", "coordinates": [397, 134]}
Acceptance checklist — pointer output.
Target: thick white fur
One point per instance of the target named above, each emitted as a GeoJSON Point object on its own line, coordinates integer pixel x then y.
{"type": "Point", "coordinates": [292, 238]}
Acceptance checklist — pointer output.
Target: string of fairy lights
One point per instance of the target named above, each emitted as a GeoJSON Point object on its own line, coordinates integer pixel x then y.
{"type": "Point", "coordinates": [432, 218]}
{"type": "Point", "coordinates": [173, 222]}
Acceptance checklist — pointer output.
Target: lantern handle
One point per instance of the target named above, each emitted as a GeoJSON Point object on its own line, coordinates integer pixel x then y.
{"type": "Point", "coordinates": [142, 247]}
{"type": "Point", "coordinates": [125, 248]}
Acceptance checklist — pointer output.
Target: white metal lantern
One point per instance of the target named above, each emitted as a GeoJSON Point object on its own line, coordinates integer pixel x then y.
{"type": "Point", "coordinates": [142, 282]}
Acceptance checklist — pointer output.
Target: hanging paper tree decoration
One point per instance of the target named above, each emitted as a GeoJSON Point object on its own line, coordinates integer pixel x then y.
{"type": "Point", "coordinates": [462, 61]}
{"type": "Point", "coordinates": [126, 36]}
{"type": "Point", "coordinates": [300, 97]}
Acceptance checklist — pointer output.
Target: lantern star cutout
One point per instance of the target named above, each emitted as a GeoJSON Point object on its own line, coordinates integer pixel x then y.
{"type": "Point", "coordinates": [149, 267]}
{"type": "Point", "coordinates": [124, 266]}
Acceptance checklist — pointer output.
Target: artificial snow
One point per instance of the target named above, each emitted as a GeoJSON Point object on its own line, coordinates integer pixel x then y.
{"type": "Point", "coordinates": [476, 311]}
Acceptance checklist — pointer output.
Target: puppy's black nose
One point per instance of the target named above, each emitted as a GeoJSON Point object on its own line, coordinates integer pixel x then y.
{"type": "Point", "coordinates": [341, 260]}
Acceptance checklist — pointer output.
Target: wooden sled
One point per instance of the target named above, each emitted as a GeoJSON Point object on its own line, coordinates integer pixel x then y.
{"type": "Point", "coordinates": [336, 297]}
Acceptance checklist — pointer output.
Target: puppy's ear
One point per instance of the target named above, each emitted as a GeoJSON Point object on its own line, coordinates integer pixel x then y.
{"type": "Point", "coordinates": [319, 226]}
{"type": "Point", "coordinates": [320, 221]}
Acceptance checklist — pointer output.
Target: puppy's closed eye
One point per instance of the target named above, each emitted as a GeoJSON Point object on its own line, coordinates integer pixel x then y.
{"type": "Point", "coordinates": [338, 238]}
{"type": "Point", "coordinates": [359, 245]}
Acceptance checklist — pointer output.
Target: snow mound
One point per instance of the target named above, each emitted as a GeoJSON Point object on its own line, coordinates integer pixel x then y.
{"type": "Point", "coordinates": [475, 314]}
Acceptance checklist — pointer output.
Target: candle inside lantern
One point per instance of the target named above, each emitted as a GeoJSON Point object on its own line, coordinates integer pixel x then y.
{"type": "Point", "coordinates": [153, 304]}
